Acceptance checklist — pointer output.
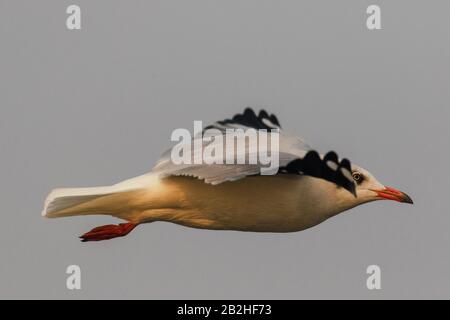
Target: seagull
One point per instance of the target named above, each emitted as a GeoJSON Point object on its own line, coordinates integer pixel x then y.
{"type": "Point", "coordinates": [307, 189]}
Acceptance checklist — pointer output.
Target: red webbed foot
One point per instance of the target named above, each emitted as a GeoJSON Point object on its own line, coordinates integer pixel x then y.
{"type": "Point", "coordinates": [109, 231]}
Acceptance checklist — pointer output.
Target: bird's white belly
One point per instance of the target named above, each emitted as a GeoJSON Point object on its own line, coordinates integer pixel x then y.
{"type": "Point", "coordinates": [281, 203]}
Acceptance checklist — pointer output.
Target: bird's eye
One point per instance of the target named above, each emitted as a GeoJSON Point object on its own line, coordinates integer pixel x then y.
{"type": "Point", "coordinates": [357, 176]}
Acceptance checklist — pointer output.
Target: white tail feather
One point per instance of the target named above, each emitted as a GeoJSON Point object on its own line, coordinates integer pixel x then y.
{"type": "Point", "coordinates": [64, 198]}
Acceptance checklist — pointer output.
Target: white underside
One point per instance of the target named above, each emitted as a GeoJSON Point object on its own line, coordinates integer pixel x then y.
{"type": "Point", "coordinates": [280, 203]}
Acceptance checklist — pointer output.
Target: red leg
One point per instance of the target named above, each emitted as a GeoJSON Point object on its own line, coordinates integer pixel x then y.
{"type": "Point", "coordinates": [109, 231]}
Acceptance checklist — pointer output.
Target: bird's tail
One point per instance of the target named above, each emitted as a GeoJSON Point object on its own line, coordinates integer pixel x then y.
{"type": "Point", "coordinates": [111, 200]}
{"type": "Point", "coordinates": [67, 202]}
{"type": "Point", "coordinates": [86, 201]}
{"type": "Point", "coordinates": [121, 200]}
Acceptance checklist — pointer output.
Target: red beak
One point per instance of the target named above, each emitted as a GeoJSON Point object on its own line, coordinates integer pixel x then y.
{"type": "Point", "coordinates": [393, 194]}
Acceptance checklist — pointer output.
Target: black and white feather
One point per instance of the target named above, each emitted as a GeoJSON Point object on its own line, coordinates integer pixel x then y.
{"type": "Point", "coordinates": [248, 119]}
{"type": "Point", "coordinates": [295, 156]}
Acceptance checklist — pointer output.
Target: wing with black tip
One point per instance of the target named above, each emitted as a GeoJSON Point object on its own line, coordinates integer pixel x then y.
{"type": "Point", "coordinates": [327, 167]}
{"type": "Point", "coordinates": [295, 156]}
{"type": "Point", "coordinates": [248, 119]}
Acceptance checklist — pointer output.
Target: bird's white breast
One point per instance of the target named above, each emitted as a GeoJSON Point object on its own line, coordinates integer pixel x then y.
{"type": "Point", "coordinates": [280, 203]}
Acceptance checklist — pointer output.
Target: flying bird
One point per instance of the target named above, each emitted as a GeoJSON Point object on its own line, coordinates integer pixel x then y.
{"type": "Point", "coordinates": [307, 189]}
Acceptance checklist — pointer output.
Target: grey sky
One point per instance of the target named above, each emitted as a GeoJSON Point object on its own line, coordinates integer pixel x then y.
{"type": "Point", "coordinates": [96, 106]}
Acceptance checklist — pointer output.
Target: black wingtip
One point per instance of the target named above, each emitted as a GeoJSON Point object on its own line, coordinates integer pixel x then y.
{"type": "Point", "coordinates": [263, 114]}
{"type": "Point", "coordinates": [250, 119]}
{"type": "Point", "coordinates": [249, 111]}
{"type": "Point", "coordinates": [336, 172]}
{"type": "Point", "coordinates": [274, 120]}
{"type": "Point", "coordinates": [353, 190]}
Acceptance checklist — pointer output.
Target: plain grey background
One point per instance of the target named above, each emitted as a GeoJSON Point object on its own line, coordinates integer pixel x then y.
{"type": "Point", "coordinates": [95, 106]}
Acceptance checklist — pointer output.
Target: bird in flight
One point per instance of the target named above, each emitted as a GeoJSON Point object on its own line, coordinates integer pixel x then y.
{"type": "Point", "coordinates": [307, 189]}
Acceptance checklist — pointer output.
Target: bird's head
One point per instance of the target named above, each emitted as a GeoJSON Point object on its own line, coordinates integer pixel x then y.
{"type": "Point", "coordinates": [368, 188]}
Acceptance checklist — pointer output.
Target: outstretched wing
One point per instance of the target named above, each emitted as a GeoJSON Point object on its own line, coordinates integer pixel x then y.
{"type": "Point", "coordinates": [295, 156]}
